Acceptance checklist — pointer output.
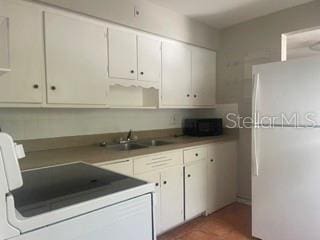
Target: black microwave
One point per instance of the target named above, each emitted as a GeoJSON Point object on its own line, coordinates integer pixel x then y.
{"type": "Point", "coordinates": [203, 127]}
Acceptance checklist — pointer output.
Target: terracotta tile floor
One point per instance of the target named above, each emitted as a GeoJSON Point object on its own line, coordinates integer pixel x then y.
{"type": "Point", "coordinates": [230, 223]}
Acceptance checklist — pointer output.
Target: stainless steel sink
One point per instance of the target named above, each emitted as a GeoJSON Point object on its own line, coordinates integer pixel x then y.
{"type": "Point", "coordinates": [136, 145]}
{"type": "Point", "coordinates": [127, 146]}
{"type": "Point", "coordinates": [154, 143]}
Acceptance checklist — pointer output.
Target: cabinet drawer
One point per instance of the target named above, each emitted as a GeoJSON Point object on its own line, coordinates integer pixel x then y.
{"type": "Point", "coordinates": [195, 154]}
{"type": "Point", "coordinates": [157, 161]}
{"type": "Point", "coordinates": [124, 166]}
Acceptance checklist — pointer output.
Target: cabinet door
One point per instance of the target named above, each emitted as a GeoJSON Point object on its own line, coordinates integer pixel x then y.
{"type": "Point", "coordinates": [195, 189]}
{"type": "Point", "coordinates": [122, 54]}
{"type": "Point", "coordinates": [149, 59]}
{"type": "Point", "coordinates": [212, 186]}
{"type": "Point", "coordinates": [24, 84]}
{"type": "Point", "coordinates": [171, 198]}
{"type": "Point", "coordinates": [154, 177]}
{"type": "Point", "coordinates": [76, 58]}
{"type": "Point", "coordinates": [222, 175]}
{"type": "Point", "coordinates": [124, 167]}
{"type": "Point", "coordinates": [203, 77]}
{"type": "Point", "coordinates": [176, 74]}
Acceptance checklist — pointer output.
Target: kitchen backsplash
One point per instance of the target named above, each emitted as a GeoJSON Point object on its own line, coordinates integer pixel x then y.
{"type": "Point", "coordinates": [25, 124]}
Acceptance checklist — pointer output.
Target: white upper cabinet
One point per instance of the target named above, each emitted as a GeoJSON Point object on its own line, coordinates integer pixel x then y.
{"type": "Point", "coordinates": [25, 82]}
{"type": "Point", "coordinates": [149, 59]}
{"type": "Point", "coordinates": [188, 76]}
{"type": "Point", "coordinates": [122, 54]}
{"type": "Point", "coordinates": [203, 77]}
{"type": "Point", "coordinates": [52, 58]}
{"type": "Point", "coordinates": [176, 74]}
{"type": "Point", "coordinates": [76, 58]}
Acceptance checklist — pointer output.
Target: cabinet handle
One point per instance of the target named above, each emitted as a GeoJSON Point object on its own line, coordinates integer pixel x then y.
{"type": "Point", "coordinates": [53, 88]}
{"type": "Point", "coordinates": [35, 86]}
{"type": "Point", "coordinates": [132, 71]}
{"type": "Point", "coordinates": [195, 95]}
{"type": "Point", "coordinates": [188, 95]}
{"type": "Point", "coordinates": [141, 73]}
{"type": "Point", "coordinates": [157, 184]}
{"type": "Point", "coordinates": [164, 182]}
{"type": "Point", "coordinates": [197, 154]}
{"type": "Point", "coordinates": [189, 175]}
{"type": "Point", "coordinates": [211, 160]}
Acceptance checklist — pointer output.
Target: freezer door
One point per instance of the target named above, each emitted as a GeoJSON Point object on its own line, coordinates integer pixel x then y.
{"type": "Point", "coordinates": [291, 88]}
{"type": "Point", "coordinates": [286, 190]}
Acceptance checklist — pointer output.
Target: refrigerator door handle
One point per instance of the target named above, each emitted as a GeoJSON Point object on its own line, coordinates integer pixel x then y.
{"type": "Point", "coordinates": [255, 97]}
{"type": "Point", "coordinates": [255, 161]}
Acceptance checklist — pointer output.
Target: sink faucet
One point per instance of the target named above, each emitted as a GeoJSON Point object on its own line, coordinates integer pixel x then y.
{"type": "Point", "coordinates": [129, 135]}
{"type": "Point", "coordinates": [128, 139]}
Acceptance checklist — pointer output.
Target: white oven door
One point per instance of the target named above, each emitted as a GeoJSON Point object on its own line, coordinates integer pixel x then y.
{"type": "Point", "coordinates": [132, 219]}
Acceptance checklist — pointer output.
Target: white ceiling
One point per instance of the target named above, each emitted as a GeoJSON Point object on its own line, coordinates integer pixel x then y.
{"type": "Point", "coordinates": [224, 13]}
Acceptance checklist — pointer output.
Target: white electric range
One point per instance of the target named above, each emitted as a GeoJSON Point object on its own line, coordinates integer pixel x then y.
{"type": "Point", "coordinates": [74, 201]}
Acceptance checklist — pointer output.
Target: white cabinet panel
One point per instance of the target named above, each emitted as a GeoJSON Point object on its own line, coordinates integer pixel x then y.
{"type": "Point", "coordinates": [154, 177]}
{"type": "Point", "coordinates": [195, 189]}
{"type": "Point", "coordinates": [176, 74]}
{"type": "Point", "coordinates": [122, 54]}
{"type": "Point", "coordinates": [76, 57]}
{"type": "Point", "coordinates": [149, 59]}
{"type": "Point", "coordinates": [124, 167]}
{"type": "Point", "coordinates": [195, 154]}
{"type": "Point", "coordinates": [222, 175]}
{"type": "Point", "coordinates": [203, 77]}
{"type": "Point", "coordinates": [212, 186]}
{"type": "Point", "coordinates": [25, 82]}
{"type": "Point", "coordinates": [171, 198]}
{"type": "Point", "coordinates": [157, 162]}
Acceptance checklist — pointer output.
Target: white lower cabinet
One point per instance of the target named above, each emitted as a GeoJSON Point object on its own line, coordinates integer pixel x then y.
{"type": "Point", "coordinates": [154, 177]}
{"type": "Point", "coordinates": [171, 213]}
{"type": "Point", "coordinates": [189, 182]}
{"type": "Point", "coordinates": [166, 171]}
{"type": "Point", "coordinates": [169, 196]}
{"type": "Point", "coordinates": [222, 175]}
{"type": "Point", "coordinates": [195, 180]}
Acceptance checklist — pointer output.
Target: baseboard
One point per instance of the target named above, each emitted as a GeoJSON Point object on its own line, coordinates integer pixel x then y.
{"type": "Point", "coordinates": [244, 200]}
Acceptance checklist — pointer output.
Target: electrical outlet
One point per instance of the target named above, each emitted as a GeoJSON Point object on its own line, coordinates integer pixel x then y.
{"type": "Point", "coordinates": [173, 120]}
{"type": "Point", "coordinates": [137, 11]}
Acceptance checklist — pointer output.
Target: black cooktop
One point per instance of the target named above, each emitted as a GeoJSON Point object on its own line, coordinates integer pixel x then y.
{"type": "Point", "coordinates": [55, 187]}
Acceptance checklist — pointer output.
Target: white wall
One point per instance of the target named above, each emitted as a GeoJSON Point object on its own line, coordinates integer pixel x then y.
{"type": "Point", "coordinates": [46, 123]}
{"type": "Point", "coordinates": [152, 18]}
{"type": "Point", "coordinates": [250, 43]}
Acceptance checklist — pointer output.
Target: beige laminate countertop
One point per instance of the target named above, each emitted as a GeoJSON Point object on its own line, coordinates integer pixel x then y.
{"type": "Point", "coordinates": [95, 154]}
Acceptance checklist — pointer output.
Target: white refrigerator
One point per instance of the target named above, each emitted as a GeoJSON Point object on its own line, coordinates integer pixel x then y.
{"type": "Point", "coordinates": [286, 150]}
